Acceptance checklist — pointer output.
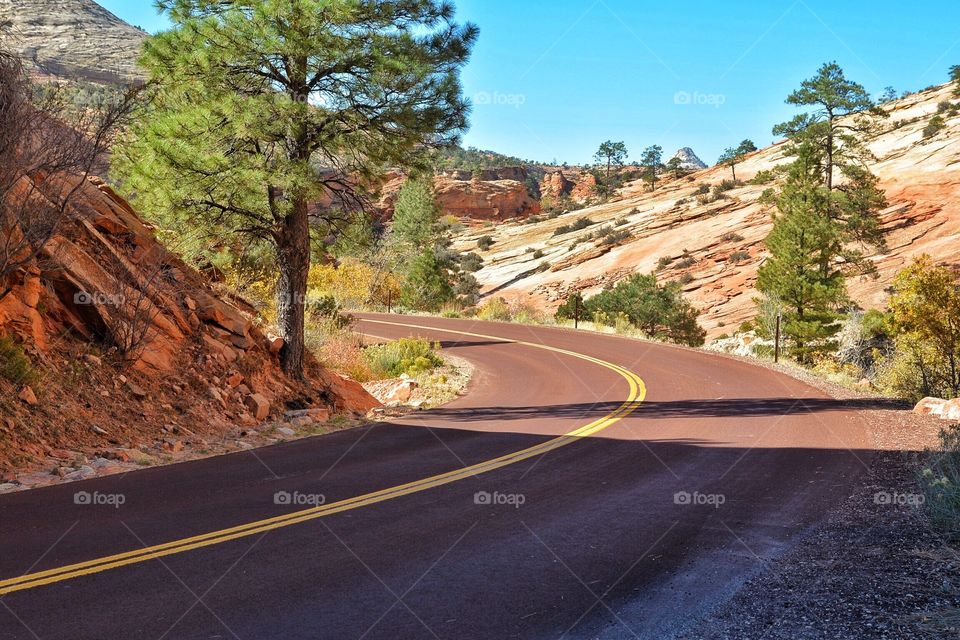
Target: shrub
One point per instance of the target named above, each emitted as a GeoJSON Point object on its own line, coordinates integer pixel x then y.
{"type": "Point", "coordinates": [407, 355]}
{"type": "Point", "coordinates": [658, 310]}
{"type": "Point", "coordinates": [616, 237]}
{"type": "Point", "coordinates": [576, 225]}
{"type": "Point", "coordinates": [764, 176]}
{"type": "Point", "coordinates": [935, 126]}
{"type": "Point", "coordinates": [686, 278]}
{"type": "Point", "coordinates": [686, 262]}
{"type": "Point", "coordinates": [725, 185]}
{"type": "Point", "coordinates": [353, 284]}
{"type": "Point", "coordinates": [543, 266]}
{"type": "Point", "coordinates": [622, 220]}
{"type": "Point", "coordinates": [15, 366]}
{"type": "Point", "coordinates": [341, 351]}
{"type": "Point", "coordinates": [738, 256]}
{"type": "Point", "coordinates": [495, 309]}
{"type": "Point", "coordinates": [471, 262]}
{"type": "Point", "coordinates": [538, 254]}
{"type": "Point", "coordinates": [702, 190]}
{"type": "Point", "coordinates": [324, 309]}
{"type": "Point", "coordinates": [731, 237]}
{"type": "Point", "coordinates": [485, 242]}
{"type": "Point", "coordinates": [940, 480]}
{"type": "Point", "coordinates": [664, 262]}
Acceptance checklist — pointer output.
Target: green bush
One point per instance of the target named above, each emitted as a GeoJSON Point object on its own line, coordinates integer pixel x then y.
{"type": "Point", "coordinates": [738, 256]}
{"type": "Point", "coordinates": [616, 237]}
{"type": "Point", "coordinates": [731, 237]}
{"type": "Point", "coordinates": [764, 176]}
{"type": "Point", "coordinates": [538, 254]}
{"type": "Point", "coordinates": [485, 242]}
{"type": "Point", "coordinates": [576, 225]}
{"type": "Point", "coordinates": [495, 309]}
{"type": "Point", "coordinates": [407, 355]}
{"type": "Point", "coordinates": [935, 126]}
{"type": "Point", "coordinates": [659, 311]}
{"type": "Point", "coordinates": [15, 366]}
{"type": "Point", "coordinates": [664, 262]}
{"type": "Point", "coordinates": [622, 220]}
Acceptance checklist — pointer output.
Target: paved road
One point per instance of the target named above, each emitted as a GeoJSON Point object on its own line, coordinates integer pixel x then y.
{"type": "Point", "coordinates": [480, 519]}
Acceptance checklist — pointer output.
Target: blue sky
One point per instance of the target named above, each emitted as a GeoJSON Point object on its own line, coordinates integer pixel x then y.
{"type": "Point", "coordinates": [553, 80]}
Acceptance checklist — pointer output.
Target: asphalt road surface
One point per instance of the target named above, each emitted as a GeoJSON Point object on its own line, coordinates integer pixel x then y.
{"type": "Point", "coordinates": [587, 486]}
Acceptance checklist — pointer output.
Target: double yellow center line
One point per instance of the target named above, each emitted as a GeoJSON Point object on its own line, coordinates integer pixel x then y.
{"type": "Point", "coordinates": [634, 398]}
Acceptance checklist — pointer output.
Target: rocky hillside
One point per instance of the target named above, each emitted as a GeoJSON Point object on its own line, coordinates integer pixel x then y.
{"type": "Point", "coordinates": [128, 349]}
{"type": "Point", "coordinates": [689, 160]}
{"type": "Point", "coordinates": [715, 244]}
{"type": "Point", "coordinates": [77, 39]}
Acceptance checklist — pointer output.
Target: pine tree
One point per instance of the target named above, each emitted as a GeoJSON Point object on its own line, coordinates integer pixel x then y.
{"type": "Point", "coordinates": [802, 269]}
{"type": "Point", "coordinates": [263, 108]}
{"type": "Point", "coordinates": [652, 161]}
{"type": "Point", "coordinates": [828, 209]}
{"type": "Point", "coordinates": [732, 156]}
{"type": "Point", "coordinates": [416, 216]}
{"type": "Point", "coordinates": [613, 154]}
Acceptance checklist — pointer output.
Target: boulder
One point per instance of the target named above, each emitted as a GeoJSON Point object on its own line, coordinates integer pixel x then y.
{"type": "Point", "coordinates": [400, 392]}
{"type": "Point", "coordinates": [258, 405]}
{"type": "Point", "coordinates": [951, 410]}
{"type": "Point", "coordinates": [930, 406]}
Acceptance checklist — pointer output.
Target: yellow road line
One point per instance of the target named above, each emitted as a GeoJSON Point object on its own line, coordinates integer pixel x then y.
{"type": "Point", "coordinates": [635, 397]}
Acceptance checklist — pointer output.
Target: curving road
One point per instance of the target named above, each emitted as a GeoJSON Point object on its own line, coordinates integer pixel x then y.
{"type": "Point", "coordinates": [587, 486]}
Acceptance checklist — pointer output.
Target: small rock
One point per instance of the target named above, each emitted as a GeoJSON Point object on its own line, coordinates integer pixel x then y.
{"type": "Point", "coordinates": [286, 431]}
{"type": "Point", "coordinates": [28, 396]}
{"type": "Point", "coordinates": [235, 380]}
{"type": "Point", "coordinates": [100, 431]}
{"type": "Point", "coordinates": [82, 473]}
{"type": "Point", "coordinates": [93, 360]}
{"type": "Point", "coordinates": [137, 391]}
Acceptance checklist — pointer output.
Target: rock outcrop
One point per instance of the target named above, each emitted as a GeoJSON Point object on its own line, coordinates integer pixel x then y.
{"type": "Point", "coordinates": [76, 39]}
{"type": "Point", "coordinates": [457, 194]}
{"type": "Point", "coordinates": [556, 185]}
{"type": "Point", "coordinates": [689, 160]}
{"type": "Point", "coordinates": [484, 199]}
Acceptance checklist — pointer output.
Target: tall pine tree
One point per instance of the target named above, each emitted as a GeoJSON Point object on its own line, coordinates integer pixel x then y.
{"type": "Point", "coordinates": [264, 108]}
{"type": "Point", "coordinates": [828, 209]}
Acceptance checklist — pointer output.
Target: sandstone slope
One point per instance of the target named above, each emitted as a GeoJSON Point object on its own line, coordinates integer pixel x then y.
{"type": "Point", "coordinates": [77, 39]}
{"type": "Point", "coordinates": [921, 180]}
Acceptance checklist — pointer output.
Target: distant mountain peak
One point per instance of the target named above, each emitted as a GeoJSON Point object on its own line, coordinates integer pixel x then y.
{"type": "Point", "coordinates": [689, 159]}
{"type": "Point", "coordinates": [75, 39]}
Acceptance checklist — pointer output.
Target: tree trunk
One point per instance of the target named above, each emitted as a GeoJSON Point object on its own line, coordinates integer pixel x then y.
{"type": "Point", "coordinates": [293, 260]}
{"type": "Point", "coordinates": [733, 170]}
